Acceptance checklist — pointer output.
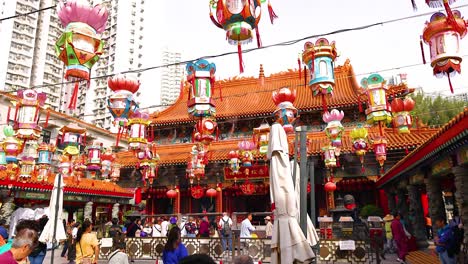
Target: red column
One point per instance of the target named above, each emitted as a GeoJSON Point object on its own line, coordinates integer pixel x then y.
{"type": "Point", "coordinates": [219, 200]}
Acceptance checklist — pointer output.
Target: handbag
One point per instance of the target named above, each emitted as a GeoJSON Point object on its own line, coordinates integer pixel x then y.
{"type": "Point", "coordinates": [85, 260]}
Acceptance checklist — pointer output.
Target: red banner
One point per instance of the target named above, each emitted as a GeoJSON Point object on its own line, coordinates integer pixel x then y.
{"type": "Point", "coordinates": [253, 172]}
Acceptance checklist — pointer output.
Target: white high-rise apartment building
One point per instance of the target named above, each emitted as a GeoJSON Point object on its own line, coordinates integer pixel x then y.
{"type": "Point", "coordinates": [27, 53]}
{"type": "Point", "coordinates": [171, 76]}
{"type": "Point", "coordinates": [122, 52]}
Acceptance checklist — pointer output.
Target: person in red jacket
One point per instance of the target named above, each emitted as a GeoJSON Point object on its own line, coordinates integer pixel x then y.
{"type": "Point", "coordinates": [400, 238]}
{"type": "Point", "coordinates": [204, 228]}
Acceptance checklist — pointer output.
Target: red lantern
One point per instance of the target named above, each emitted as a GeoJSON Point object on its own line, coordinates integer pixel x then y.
{"type": "Point", "coordinates": [401, 116]}
{"type": "Point", "coordinates": [247, 188]}
{"type": "Point", "coordinates": [285, 112]}
{"type": "Point", "coordinates": [211, 193]}
{"type": "Point", "coordinates": [330, 186]}
{"type": "Point", "coordinates": [197, 192]}
{"type": "Point", "coordinates": [171, 194]}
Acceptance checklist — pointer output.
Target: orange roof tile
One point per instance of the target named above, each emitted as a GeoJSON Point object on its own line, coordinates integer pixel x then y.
{"type": "Point", "coordinates": [179, 153]}
{"type": "Point", "coordinates": [84, 187]}
{"type": "Point", "coordinates": [455, 130]}
{"type": "Point", "coordinates": [243, 97]}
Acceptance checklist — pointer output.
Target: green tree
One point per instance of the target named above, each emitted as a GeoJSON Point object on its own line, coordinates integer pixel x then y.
{"type": "Point", "coordinates": [436, 112]}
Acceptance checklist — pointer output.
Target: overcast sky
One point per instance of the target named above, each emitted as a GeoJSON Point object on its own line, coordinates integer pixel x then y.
{"type": "Point", "coordinates": [185, 26]}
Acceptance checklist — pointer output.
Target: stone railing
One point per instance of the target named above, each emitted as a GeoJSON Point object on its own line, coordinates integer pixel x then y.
{"type": "Point", "coordinates": [152, 248]}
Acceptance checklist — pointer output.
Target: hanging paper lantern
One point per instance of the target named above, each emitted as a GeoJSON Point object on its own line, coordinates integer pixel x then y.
{"type": "Point", "coordinates": [246, 152]}
{"type": "Point", "coordinates": [65, 166]}
{"type": "Point", "coordinates": [211, 193]}
{"type": "Point", "coordinates": [3, 161]}
{"type": "Point", "coordinates": [320, 60]}
{"type": "Point", "coordinates": [330, 186]}
{"type": "Point", "coordinates": [261, 137]}
{"type": "Point", "coordinates": [285, 113]}
{"type": "Point", "coordinates": [196, 163]}
{"type": "Point", "coordinates": [380, 149]}
{"type": "Point", "coordinates": [80, 46]}
{"type": "Point", "coordinates": [27, 165]}
{"type": "Point", "coordinates": [11, 145]}
{"type": "Point", "coordinates": [360, 143]}
{"type": "Point", "coordinates": [401, 115]}
{"type": "Point", "coordinates": [200, 75]}
{"type": "Point", "coordinates": [138, 123]}
{"type": "Point", "coordinates": [93, 162]}
{"type": "Point", "coordinates": [121, 103]}
{"type": "Point", "coordinates": [115, 175]}
{"type": "Point", "coordinates": [44, 160]}
{"type": "Point", "coordinates": [234, 162]}
{"type": "Point", "coordinates": [27, 114]}
{"type": "Point", "coordinates": [197, 192]}
{"type": "Point", "coordinates": [72, 137]}
{"type": "Point", "coordinates": [239, 18]}
{"type": "Point", "coordinates": [171, 194]}
{"type": "Point", "coordinates": [378, 110]}
{"type": "Point", "coordinates": [205, 131]}
{"type": "Point", "coordinates": [329, 156]}
{"type": "Point", "coordinates": [334, 129]}
{"type": "Point", "coordinates": [79, 166]}
{"type": "Point", "coordinates": [107, 158]}
{"type": "Point", "coordinates": [149, 159]}
{"type": "Point", "coordinates": [443, 33]}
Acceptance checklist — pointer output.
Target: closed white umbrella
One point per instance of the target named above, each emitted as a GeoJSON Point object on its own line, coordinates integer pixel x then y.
{"type": "Point", "coordinates": [288, 243]}
{"type": "Point", "coordinates": [55, 226]}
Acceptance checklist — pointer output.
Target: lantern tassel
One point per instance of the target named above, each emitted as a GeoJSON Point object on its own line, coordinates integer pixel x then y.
{"type": "Point", "coordinates": [259, 40]}
{"type": "Point", "coordinates": [305, 76]}
{"type": "Point", "coordinates": [74, 97]}
{"type": "Point", "coordinates": [450, 83]}
{"type": "Point", "coordinates": [413, 3]}
{"type": "Point", "coordinates": [47, 119]}
{"type": "Point", "coordinates": [359, 103]}
{"type": "Point", "coordinates": [324, 103]}
{"type": "Point", "coordinates": [300, 68]}
{"type": "Point", "coordinates": [239, 54]}
{"type": "Point", "coordinates": [272, 13]}
{"type": "Point", "coordinates": [16, 112]}
{"type": "Point", "coordinates": [422, 50]}
{"type": "Point", "coordinates": [8, 114]}
{"type": "Point", "coordinates": [362, 168]}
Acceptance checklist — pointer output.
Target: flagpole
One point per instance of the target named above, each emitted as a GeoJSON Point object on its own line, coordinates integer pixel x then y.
{"type": "Point", "coordinates": [57, 205]}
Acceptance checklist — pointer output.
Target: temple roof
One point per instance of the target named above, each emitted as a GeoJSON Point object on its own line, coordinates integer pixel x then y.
{"type": "Point", "coordinates": [451, 134]}
{"type": "Point", "coordinates": [84, 187]}
{"type": "Point", "coordinates": [244, 97]}
{"type": "Point", "coordinates": [179, 153]}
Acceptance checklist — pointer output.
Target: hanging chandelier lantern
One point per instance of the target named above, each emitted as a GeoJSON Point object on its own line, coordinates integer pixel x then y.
{"type": "Point", "coordinates": [201, 76]}
{"type": "Point", "coordinates": [401, 114]}
{"type": "Point", "coordinates": [26, 120]}
{"type": "Point", "coordinates": [72, 137]}
{"type": "Point", "coordinates": [93, 161]}
{"type": "Point", "coordinates": [239, 18]}
{"type": "Point", "coordinates": [80, 45]}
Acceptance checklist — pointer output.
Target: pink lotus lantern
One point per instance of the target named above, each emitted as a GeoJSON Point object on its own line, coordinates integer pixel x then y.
{"type": "Point", "coordinates": [234, 162]}
{"type": "Point", "coordinates": [245, 148]}
{"type": "Point", "coordinates": [137, 137]}
{"type": "Point", "coordinates": [121, 103]}
{"type": "Point", "coordinates": [401, 115]}
{"type": "Point", "coordinates": [334, 129]}
{"type": "Point", "coordinates": [93, 162]}
{"type": "Point", "coordinates": [285, 112]}
{"type": "Point", "coordinates": [27, 114]}
{"type": "Point", "coordinates": [80, 46]}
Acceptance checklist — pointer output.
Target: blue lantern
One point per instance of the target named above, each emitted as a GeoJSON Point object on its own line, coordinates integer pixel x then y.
{"type": "Point", "coordinates": [200, 75]}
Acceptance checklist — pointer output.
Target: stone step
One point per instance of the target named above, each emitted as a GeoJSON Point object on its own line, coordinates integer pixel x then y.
{"type": "Point", "coordinates": [422, 257]}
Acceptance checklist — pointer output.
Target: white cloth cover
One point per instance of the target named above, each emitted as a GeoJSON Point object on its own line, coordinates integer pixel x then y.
{"type": "Point", "coordinates": [47, 235]}
{"type": "Point", "coordinates": [288, 243]}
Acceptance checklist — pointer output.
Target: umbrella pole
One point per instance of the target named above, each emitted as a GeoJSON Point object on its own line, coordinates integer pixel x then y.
{"type": "Point", "coordinates": [57, 203]}
{"type": "Point", "coordinates": [303, 179]}
{"type": "Point", "coordinates": [312, 203]}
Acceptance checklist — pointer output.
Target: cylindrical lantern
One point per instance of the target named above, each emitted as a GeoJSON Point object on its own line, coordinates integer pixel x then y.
{"type": "Point", "coordinates": [329, 156]}
{"type": "Point", "coordinates": [72, 137]}
{"type": "Point", "coordinates": [80, 45]}
{"type": "Point", "coordinates": [285, 112]}
{"type": "Point", "coordinates": [201, 76]}
{"type": "Point", "coordinates": [261, 137]}
{"type": "Point", "coordinates": [334, 129]}
{"type": "Point", "coordinates": [378, 108]}
{"type": "Point", "coordinates": [138, 124]}
{"type": "Point", "coordinates": [380, 149]}
{"type": "Point", "coordinates": [320, 58]}
{"type": "Point", "coordinates": [93, 161]}
{"type": "Point", "coordinates": [234, 163]}
{"type": "Point", "coordinates": [27, 114]}
{"type": "Point", "coordinates": [401, 116]}
{"type": "Point", "coordinates": [44, 160]}
{"type": "Point", "coordinates": [11, 145]}
{"type": "Point", "coordinates": [443, 33]}
{"type": "Point", "coordinates": [27, 165]}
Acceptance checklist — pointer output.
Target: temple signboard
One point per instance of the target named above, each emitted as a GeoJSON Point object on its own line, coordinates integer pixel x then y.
{"type": "Point", "coordinates": [251, 172]}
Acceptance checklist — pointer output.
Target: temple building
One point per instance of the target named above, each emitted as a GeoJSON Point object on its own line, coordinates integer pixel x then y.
{"type": "Point", "coordinates": [243, 104]}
